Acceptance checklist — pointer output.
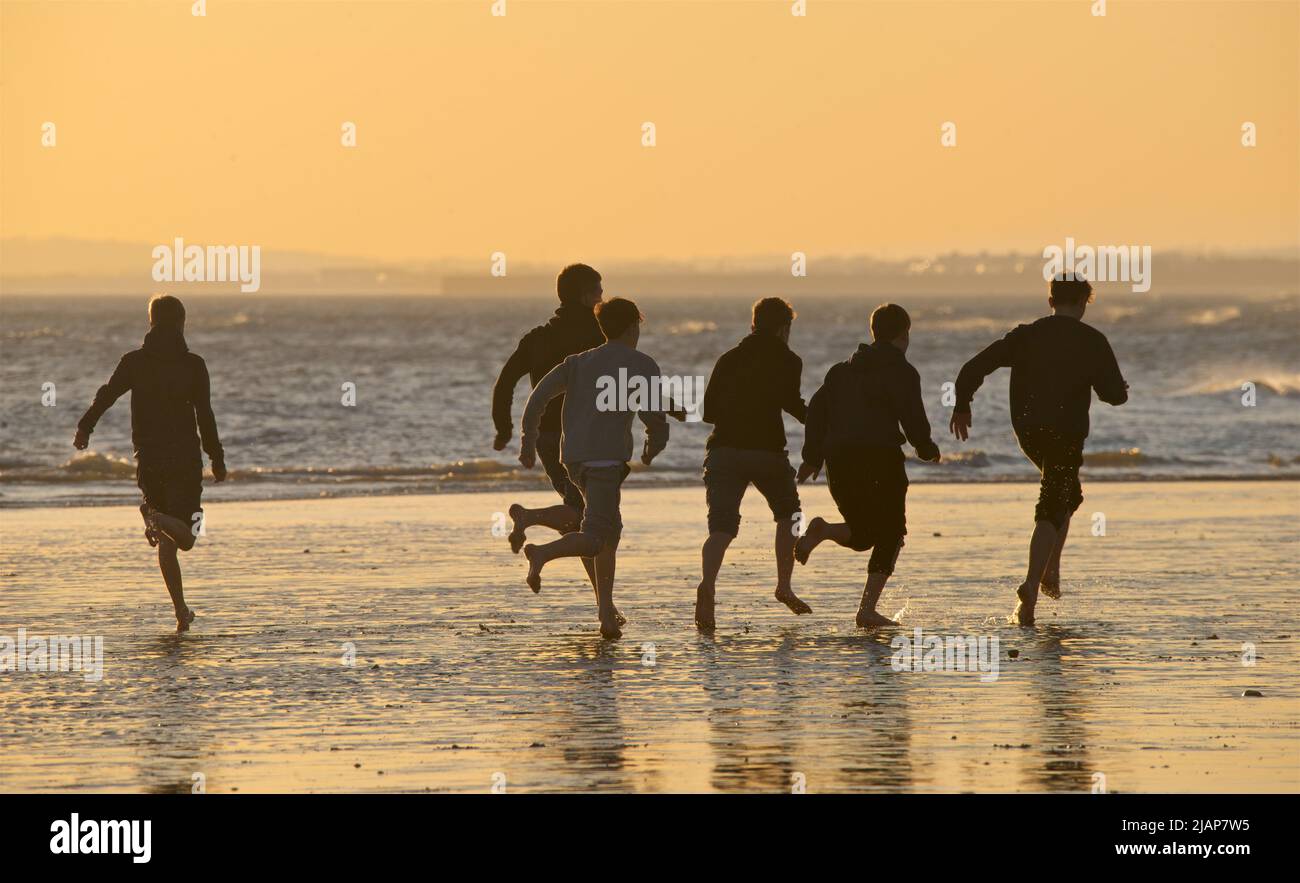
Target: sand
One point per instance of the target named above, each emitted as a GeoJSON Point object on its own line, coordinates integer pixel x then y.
{"type": "Point", "coordinates": [464, 680]}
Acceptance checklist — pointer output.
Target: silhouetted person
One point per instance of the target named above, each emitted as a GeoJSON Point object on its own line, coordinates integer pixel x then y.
{"type": "Point", "coordinates": [751, 385]}
{"type": "Point", "coordinates": [853, 426]}
{"type": "Point", "coordinates": [573, 329]}
{"type": "Point", "coordinates": [600, 389]}
{"type": "Point", "coordinates": [169, 397]}
{"type": "Point", "coordinates": [1055, 365]}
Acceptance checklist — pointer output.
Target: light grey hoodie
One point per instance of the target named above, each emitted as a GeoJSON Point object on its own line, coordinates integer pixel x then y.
{"type": "Point", "coordinates": [587, 431]}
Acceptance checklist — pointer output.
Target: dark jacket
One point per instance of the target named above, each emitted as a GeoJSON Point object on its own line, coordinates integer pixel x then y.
{"type": "Point", "coordinates": [862, 403]}
{"type": "Point", "coordinates": [572, 329]}
{"type": "Point", "coordinates": [1055, 365]}
{"type": "Point", "coordinates": [169, 396]}
{"type": "Point", "coordinates": [750, 386]}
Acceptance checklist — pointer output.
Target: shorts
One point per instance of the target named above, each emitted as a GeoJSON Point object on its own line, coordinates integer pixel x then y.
{"type": "Point", "coordinates": [548, 451]}
{"type": "Point", "coordinates": [174, 487]}
{"type": "Point", "coordinates": [869, 486]}
{"type": "Point", "coordinates": [1058, 458]}
{"type": "Point", "coordinates": [728, 473]}
{"type": "Point", "coordinates": [601, 488]}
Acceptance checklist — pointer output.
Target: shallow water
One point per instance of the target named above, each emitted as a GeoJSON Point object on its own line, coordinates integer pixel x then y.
{"type": "Point", "coordinates": [424, 369]}
{"type": "Point", "coordinates": [463, 676]}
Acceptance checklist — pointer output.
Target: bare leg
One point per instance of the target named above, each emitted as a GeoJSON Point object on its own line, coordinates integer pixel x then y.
{"type": "Point", "coordinates": [867, 616]}
{"type": "Point", "coordinates": [1041, 546]}
{"type": "Point", "coordinates": [820, 529]}
{"type": "Point", "coordinates": [180, 533]}
{"type": "Point", "coordinates": [784, 546]}
{"type": "Point", "coordinates": [589, 565]}
{"type": "Point", "coordinates": [560, 517]}
{"type": "Point", "coordinates": [571, 545]}
{"type": "Point", "coordinates": [605, 609]}
{"type": "Point", "coordinates": [171, 572]}
{"type": "Point", "coordinates": [711, 555]}
{"type": "Point", "coordinates": [1051, 581]}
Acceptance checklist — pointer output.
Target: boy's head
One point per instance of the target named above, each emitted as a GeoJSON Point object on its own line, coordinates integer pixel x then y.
{"type": "Point", "coordinates": [578, 285]}
{"type": "Point", "coordinates": [772, 315]}
{"type": "Point", "coordinates": [619, 319]}
{"type": "Point", "coordinates": [1070, 293]}
{"type": "Point", "coordinates": [166, 311]}
{"type": "Point", "coordinates": [891, 324]}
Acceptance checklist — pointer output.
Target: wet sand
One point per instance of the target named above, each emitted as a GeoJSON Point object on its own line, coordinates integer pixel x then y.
{"type": "Point", "coordinates": [464, 678]}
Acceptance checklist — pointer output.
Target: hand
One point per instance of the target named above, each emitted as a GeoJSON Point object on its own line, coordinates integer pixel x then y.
{"type": "Point", "coordinates": [528, 456]}
{"type": "Point", "coordinates": [219, 471]}
{"type": "Point", "coordinates": [646, 457]}
{"type": "Point", "coordinates": [960, 424]}
{"type": "Point", "coordinates": [81, 440]}
{"type": "Point", "coordinates": [935, 459]}
{"type": "Point", "coordinates": [499, 443]}
{"type": "Point", "coordinates": [807, 471]}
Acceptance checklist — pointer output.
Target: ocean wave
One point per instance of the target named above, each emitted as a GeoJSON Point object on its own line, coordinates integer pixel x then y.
{"type": "Point", "coordinates": [1122, 457]}
{"type": "Point", "coordinates": [1282, 383]}
{"type": "Point", "coordinates": [693, 326]}
{"type": "Point", "coordinates": [85, 466]}
{"type": "Point", "coordinates": [1215, 316]}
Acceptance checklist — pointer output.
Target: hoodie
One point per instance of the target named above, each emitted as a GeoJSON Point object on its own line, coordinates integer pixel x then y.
{"type": "Point", "coordinates": [751, 385]}
{"type": "Point", "coordinates": [1055, 363]}
{"type": "Point", "coordinates": [863, 402]}
{"type": "Point", "coordinates": [572, 329]}
{"type": "Point", "coordinates": [170, 397]}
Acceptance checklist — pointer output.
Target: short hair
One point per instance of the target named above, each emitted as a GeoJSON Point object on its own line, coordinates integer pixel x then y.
{"type": "Point", "coordinates": [164, 309]}
{"type": "Point", "coordinates": [1071, 289]}
{"type": "Point", "coordinates": [616, 316]}
{"type": "Point", "coordinates": [772, 314]}
{"type": "Point", "coordinates": [574, 281]}
{"type": "Point", "coordinates": [889, 322]}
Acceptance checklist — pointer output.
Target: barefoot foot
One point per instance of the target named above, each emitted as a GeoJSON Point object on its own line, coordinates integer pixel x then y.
{"type": "Point", "coordinates": [609, 627]}
{"type": "Point", "coordinates": [1050, 585]}
{"type": "Point", "coordinates": [867, 619]}
{"type": "Point", "coordinates": [804, 546]}
{"type": "Point", "coordinates": [534, 577]}
{"type": "Point", "coordinates": [516, 536]}
{"type": "Point", "coordinates": [787, 597]}
{"type": "Point", "coordinates": [183, 620]}
{"type": "Point", "coordinates": [1026, 600]}
{"type": "Point", "coordinates": [619, 617]}
{"type": "Point", "coordinates": [704, 619]}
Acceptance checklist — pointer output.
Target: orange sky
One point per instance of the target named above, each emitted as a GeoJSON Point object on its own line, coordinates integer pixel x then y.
{"type": "Point", "coordinates": [775, 133]}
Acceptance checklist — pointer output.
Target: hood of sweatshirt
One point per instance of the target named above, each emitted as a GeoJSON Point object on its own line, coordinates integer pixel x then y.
{"type": "Point", "coordinates": [872, 357]}
{"type": "Point", "coordinates": [165, 343]}
{"type": "Point", "coordinates": [571, 317]}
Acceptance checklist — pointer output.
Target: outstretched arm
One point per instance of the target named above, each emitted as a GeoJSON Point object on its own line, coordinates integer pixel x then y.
{"type": "Point", "coordinates": [814, 436]}
{"type": "Point", "coordinates": [916, 425]}
{"type": "Point", "coordinates": [999, 354]}
{"type": "Point", "coordinates": [553, 384]}
{"type": "Point", "coordinates": [503, 393]}
{"type": "Point", "coordinates": [202, 398]}
{"type": "Point", "coordinates": [109, 393]}
{"type": "Point", "coordinates": [791, 398]}
{"type": "Point", "coordinates": [1109, 382]}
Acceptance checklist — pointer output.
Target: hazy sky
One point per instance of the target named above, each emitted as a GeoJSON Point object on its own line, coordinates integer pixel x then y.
{"type": "Point", "coordinates": [775, 133]}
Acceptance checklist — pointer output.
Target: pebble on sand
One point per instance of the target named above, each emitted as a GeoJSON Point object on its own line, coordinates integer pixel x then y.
{"type": "Point", "coordinates": [1252, 693]}
{"type": "Point", "coordinates": [1013, 654]}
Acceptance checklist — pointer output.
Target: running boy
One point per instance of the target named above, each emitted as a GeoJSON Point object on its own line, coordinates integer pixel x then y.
{"type": "Point", "coordinates": [169, 397]}
{"type": "Point", "coordinates": [572, 329]}
{"type": "Point", "coordinates": [1055, 365]}
{"type": "Point", "coordinates": [602, 388]}
{"type": "Point", "coordinates": [853, 427]}
{"type": "Point", "coordinates": [751, 385]}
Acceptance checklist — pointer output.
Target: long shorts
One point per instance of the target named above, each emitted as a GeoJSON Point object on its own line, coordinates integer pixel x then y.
{"type": "Point", "coordinates": [728, 473]}
{"type": "Point", "coordinates": [548, 451]}
{"type": "Point", "coordinates": [601, 488]}
{"type": "Point", "coordinates": [174, 487]}
{"type": "Point", "coordinates": [869, 486]}
{"type": "Point", "coordinates": [1058, 458]}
